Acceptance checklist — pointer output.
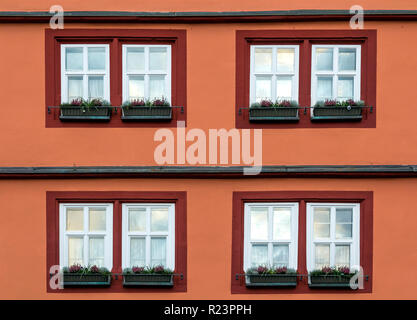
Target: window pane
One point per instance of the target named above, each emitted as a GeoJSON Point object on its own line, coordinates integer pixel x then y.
{"type": "Point", "coordinates": [285, 60]}
{"type": "Point", "coordinates": [345, 88]}
{"type": "Point", "coordinates": [321, 222]}
{"type": "Point", "coordinates": [284, 88]}
{"type": "Point", "coordinates": [259, 255]}
{"type": "Point", "coordinates": [75, 87]}
{"type": "Point", "coordinates": [342, 255]}
{"type": "Point", "coordinates": [157, 59]}
{"type": "Point", "coordinates": [159, 220]}
{"type": "Point", "coordinates": [74, 59]}
{"type": "Point", "coordinates": [156, 87]}
{"type": "Point", "coordinates": [137, 219]}
{"type": "Point", "coordinates": [322, 256]}
{"type": "Point", "coordinates": [158, 251]}
{"type": "Point", "coordinates": [324, 59]}
{"type": "Point", "coordinates": [75, 251]}
{"type": "Point", "coordinates": [344, 223]}
{"type": "Point", "coordinates": [136, 87]}
{"type": "Point", "coordinates": [259, 223]}
{"type": "Point", "coordinates": [97, 219]}
{"type": "Point", "coordinates": [263, 59]}
{"type": "Point", "coordinates": [263, 88]}
{"type": "Point", "coordinates": [135, 59]}
{"type": "Point", "coordinates": [137, 252]}
{"type": "Point", "coordinates": [96, 252]}
{"type": "Point", "coordinates": [282, 223]}
{"type": "Point", "coordinates": [75, 219]}
{"type": "Point", "coordinates": [95, 87]}
{"type": "Point", "coordinates": [324, 88]}
{"type": "Point", "coordinates": [281, 255]}
{"type": "Point", "coordinates": [96, 58]}
{"type": "Point", "coordinates": [347, 59]}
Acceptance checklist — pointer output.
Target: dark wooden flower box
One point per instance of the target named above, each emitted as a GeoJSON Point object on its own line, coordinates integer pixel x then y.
{"type": "Point", "coordinates": [271, 280]}
{"type": "Point", "coordinates": [138, 113]}
{"type": "Point", "coordinates": [75, 113]}
{"type": "Point", "coordinates": [76, 279]}
{"type": "Point", "coordinates": [337, 113]}
{"type": "Point", "coordinates": [165, 280]}
{"type": "Point", "coordinates": [273, 114]}
{"type": "Point", "coordinates": [330, 281]}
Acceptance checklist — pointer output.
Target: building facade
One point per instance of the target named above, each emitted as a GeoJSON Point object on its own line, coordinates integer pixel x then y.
{"type": "Point", "coordinates": [211, 141]}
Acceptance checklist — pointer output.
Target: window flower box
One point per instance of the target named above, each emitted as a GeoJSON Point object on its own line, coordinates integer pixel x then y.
{"type": "Point", "coordinates": [330, 277]}
{"type": "Point", "coordinates": [140, 276]}
{"type": "Point", "coordinates": [278, 277]}
{"type": "Point", "coordinates": [77, 275]}
{"type": "Point", "coordinates": [82, 110]}
{"type": "Point", "coordinates": [336, 110]}
{"type": "Point", "coordinates": [138, 110]}
{"type": "Point", "coordinates": [266, 110]}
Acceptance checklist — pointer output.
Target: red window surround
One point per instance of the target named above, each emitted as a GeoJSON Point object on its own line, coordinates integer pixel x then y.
{"type": "Point", "coordinates": [305, 39]}
{"type": "Point", "coordinates": [365, 198]}
{"type": "Point", "coordinates": [117, 198]}
{"type": "Point", "coordinates": [115, 38]}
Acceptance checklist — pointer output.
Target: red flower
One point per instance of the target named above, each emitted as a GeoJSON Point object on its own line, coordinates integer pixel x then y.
{"type": "Point", "coordinates": [330, 103]}
{"type": "Point", "coordinates": [138, 102]}
{"type": "Point", "coordinates": [94, 269]}
{"type": "Point", "coordinates": [262, 269]}
{"type": "Point", "coordinates": [158, 269]}
{"type": "Point", "coordinates": [326, 269]}
{"type": "Point", "coordinates": [159, 102]}
{"type": "Point", "coordinates": [351, 102]}
{"type": "Point", "coordinates": [266, 103]}
{"type": "Point", "coordinates": [285, 103]}
{"type": "Point", "coordinates": [75, 268]}
{"type": "Point", "coordinates": [138, 269]}
{"type": "Point", "coordinates": [76, 102]}
{"type": "Point", "coordinates": [344, 270]}
{"type": "Point", "coordinates": [281, 270]}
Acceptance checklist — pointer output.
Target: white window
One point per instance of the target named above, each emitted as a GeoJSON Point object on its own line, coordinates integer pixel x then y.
{"type": "Point", "coordinates": [146, 72]}
{"type": "Point", "coordinates": [336, 72]}
{"type": "Point", "coordinates": [85, 234]}
{"type": "Point", "coordinates": [271, 233]}
{"type": "Point", "coordinates": [85, 72]}
{"type": "Point", "coordinates": [332, 235]}
{"type": "Point", "coordinates": [148, 235]}
{"type": "Point", "coordinates": [274, 73]}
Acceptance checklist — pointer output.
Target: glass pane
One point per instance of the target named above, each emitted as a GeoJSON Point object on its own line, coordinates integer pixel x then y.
{"type": "Point", "coordinates": [75, 219]}
{"type": "Point", "coordinates": [259, 223]}
{"type": "Point", "coordinates": [75, 251]}
{"type": "Point", "coordinates": [322, 256]}
{"type": "Point", "coordinates": [342, 255]}
{"type": "Point", "coordinates": [282, 223]}
{"type": "Point", "coordinates": [324, 59]}
{"type": "Point", "coordinates": [263, 59]}
{"type": "Point", "coordinates": [95, 87]}
{"type": "Point", "coordinates": [321, 222]}
{"type": "Point", "coordinates": [259, 255]}
{"type": "Point", "coordinates": [137, 252]}
{"type": "Point", "coordinates": [280, 255]}
{"type": "Point", "coordinates": [344, 223]}
{"type": "Point", "coordinates": [324, 88]}
{"type": "Point", "coordinates": [136, 87]}
{"type": "Point", "coordinates": [344, 215]}
{"type": "Point", "coordinates": [263, 86]}
{"type": "Point", "coordinates": [285, 60]}
{"type": "Point", "coordinates": [96, 58]}
{"type": "Point", "coordinates": [74, 59]}
{"type": "Point", "coordinates": [157, 58]}
{"type": "Point", "coordinates": [158, 251]}
{"type": "Point", "coordinates": [284, 88]}
{"type": "Point", "coordinates": [137, 219]}
{"type": "Point", "coordinates": [75, 87]}
{"type": "Point", "coordinates": [135, 59]}
{"type": "Point", "coordinates": [345, 88]}
{"type": "Point", "coordinates": [159, 219]}
{"type": "Point", "coordinates": [97, 219]}
{"type": "Point", "coordinates": [156, 87]}
{"type": "Point", "coordinates": [96, 252]}
{"type": "Point", "coordinates": [347, 59]}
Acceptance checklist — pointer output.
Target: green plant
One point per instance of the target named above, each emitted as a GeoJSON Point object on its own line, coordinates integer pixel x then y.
{"type": "Point", "coordinates": [264, 270]}
{"type": "Point", "coordinates": [86, 104]}
{"type": "Point", "coordinates": [148, 270]}
{"type": "Point", "coordinates": [332, 271]}
{"type": "Point", "coordinates": [276, 104]}
{"type": "Point", "coordinates": [85, 270]}
{"type": "Point", "coordinates": [146, 103]}
{"type": "Point", "coordinates": [339, 103]}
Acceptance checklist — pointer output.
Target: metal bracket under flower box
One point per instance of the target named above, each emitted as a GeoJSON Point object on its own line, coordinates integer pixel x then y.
{"type": "Point", "coordinates": [152, 279]}
{"type": "Point", "coordinates": [73, 279]}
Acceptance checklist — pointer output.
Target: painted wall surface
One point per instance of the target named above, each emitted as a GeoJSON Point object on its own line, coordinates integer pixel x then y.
{"type": "Point", "coordinates": [209, 226]}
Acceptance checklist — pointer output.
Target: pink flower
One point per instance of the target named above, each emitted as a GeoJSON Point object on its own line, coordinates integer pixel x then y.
{"type": "Point", "coordinates": [75, 268]}
{"type": "Point", "coordinates": [138, 102]}
{"type": "Point", "coordinates": [159, 102]}
{"type": "Point", "coordinates": [94, 269]}
{"type": "Point", "coordinates": [326, 269]}
{"type": "Point", "coordinates": [266, 103]}
{"type": "Point", "coordinates": [281, 270]}
{"type": "Point", "coordinates": [285, 103]}
{"type": "Point", "coordinates": [158, 269]}
{"type": "Point", "coordinates": [262, 269]}
{"type": "Point", "coordinates": [76, 102]}
{"type": "Point", "coordinates": [344, 270]}
{"type": "Point", "coordinates": [351, 102]}
{"type": "Point", "coordinates": [330, 103]}
{"type": "Point", "coordinates": [138, 269]}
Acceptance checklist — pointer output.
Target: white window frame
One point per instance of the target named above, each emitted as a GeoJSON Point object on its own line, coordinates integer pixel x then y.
{"type": "Point", "coordinates": [354, 242]}
{"type": "Point", "coordinates": [85, 72]}
{"type": "Point", "coordinates": [170, 235]}
{"type": "Point", "coordinates": [146, 72]}
{"type": "Point", "coordinates": [274, 73]}
{"type": "Point", "coordinates": [293, 242]}
{"type": "Point", "coordinates": [335, 73]}
{"type": "Point", "coordinates": [86, 234]}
